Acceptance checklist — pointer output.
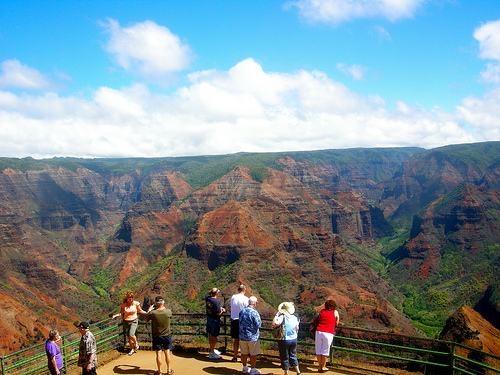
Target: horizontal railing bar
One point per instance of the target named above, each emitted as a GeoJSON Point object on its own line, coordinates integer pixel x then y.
{"type": "Point", "coordinates": [417, 350]}
{"type": "Point", "coordinates": [390, 356]}
{"type": "Point", "coordinates": [464, 371]}
{"type": "Point", "coordinates": [459, 357]}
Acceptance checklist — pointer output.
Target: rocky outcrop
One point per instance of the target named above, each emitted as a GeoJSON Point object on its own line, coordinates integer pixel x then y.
{"type": "Point", "coordinates": [469, 328]}
{"type": "Point", "coordinates": [288, 228]}
{"type": "Point", "coordinates": [465, 220]}
{"type": "Point", "coordinates": [57, 199]}
{"type": "Point", "coordinates": [489, 305]}
{"type": "Point", "coordinates": [360, 170]}
{"type": "Point", "coordinates": [430, 175]}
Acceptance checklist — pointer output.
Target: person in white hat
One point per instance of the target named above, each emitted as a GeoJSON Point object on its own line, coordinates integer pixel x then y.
{"type": "Point", "coordinates": [287, 346]}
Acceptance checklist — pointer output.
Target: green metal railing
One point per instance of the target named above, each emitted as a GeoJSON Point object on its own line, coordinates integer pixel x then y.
{"type": "Point", "coordinates": [421, 355]}
{"type": "Point", "coordinates": [353, 348]}
{"type": "Point", "coordinates": [33, 360]}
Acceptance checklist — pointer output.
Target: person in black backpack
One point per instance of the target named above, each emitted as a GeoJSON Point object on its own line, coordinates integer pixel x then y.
{"type": "Point", "coordinates": [214, 311]}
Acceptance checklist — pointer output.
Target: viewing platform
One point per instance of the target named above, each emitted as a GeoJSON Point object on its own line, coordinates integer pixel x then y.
{"type": "Point", "coordinates": [191, 363]}
{"type": "Point", "coordinates": [354, 351]}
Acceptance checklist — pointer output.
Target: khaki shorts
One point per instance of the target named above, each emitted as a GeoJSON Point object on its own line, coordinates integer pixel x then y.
{"type": "Point", "coordinates": [129, 327]}
{"type": "Point", "coordinates": [250, 347]}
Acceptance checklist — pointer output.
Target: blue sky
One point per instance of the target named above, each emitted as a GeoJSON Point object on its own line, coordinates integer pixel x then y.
{"type": "Point", "coordinates": [176, 78]}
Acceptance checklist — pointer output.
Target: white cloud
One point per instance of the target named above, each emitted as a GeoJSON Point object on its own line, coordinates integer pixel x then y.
{"type": "Point", "coordinates": [357, 72]}
{"type": "Point", "coordinates": [337, 11]}
{"type": "Point", "coordinates": [491, 74]}
{"type": "Point", "coordinates": [16, 75]}
{"type": "Point", "coordinates": [147, 49]}
{"type": "Point", "coordinates": [242, 109]}
{"type": "Point", "coordinates": [488, 36]}
{"type": "Point", "coordinates": [483, 114]}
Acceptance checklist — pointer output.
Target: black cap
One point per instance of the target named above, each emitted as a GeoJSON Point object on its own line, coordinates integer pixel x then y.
{"type": "Point", "coordinates": [84, 325]}
{"type": "Point", "coordinates": [159, 299]}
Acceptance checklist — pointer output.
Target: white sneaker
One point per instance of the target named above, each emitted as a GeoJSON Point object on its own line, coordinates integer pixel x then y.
{"type": "Point", "coordinates": [254, 371]}
{"type": "Point", "coordinates": [214, 356]}
{"type": "Point", "coordinates": [216, 352]}
{"type": "Point", "coordinates": [131, 352]}
{"type": "Point", "coordinates": [245, 369]}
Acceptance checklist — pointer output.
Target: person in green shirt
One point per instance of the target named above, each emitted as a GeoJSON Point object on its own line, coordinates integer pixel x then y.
{"type": "Point", "coordinates": [160, 316]}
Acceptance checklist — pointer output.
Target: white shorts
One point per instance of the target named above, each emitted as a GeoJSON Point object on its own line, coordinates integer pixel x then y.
{"type": "Point", "coordinates": [323, 341]}
{"type": "Point", "coordinates": [250, 347]}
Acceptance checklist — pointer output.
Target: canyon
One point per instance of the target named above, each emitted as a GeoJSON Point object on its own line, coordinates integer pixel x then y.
{"type": "Point", "coordinates": [400, 238]}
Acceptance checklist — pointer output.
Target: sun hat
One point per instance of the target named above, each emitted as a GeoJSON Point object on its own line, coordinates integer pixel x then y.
{"type": "Point", "coordinates": [286, 308]}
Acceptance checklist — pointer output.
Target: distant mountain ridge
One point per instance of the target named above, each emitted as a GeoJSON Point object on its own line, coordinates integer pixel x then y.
{"type": "Point", "coordinates": [382, 231]}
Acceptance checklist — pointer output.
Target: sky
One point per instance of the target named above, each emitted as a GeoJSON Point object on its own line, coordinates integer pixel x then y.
{"type": "Point", "coordinates": [182, 78]}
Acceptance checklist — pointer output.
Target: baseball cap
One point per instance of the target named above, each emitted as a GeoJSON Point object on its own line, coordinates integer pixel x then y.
{"type": "Point", "coordinates": [84, 325]}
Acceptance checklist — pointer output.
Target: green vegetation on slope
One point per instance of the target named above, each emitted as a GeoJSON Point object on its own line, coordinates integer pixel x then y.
{"type": "Point", "coordinates": [202, 170]}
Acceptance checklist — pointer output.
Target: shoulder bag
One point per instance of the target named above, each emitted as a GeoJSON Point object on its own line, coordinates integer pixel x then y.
{"type": "Point", "coordinates": [279, 332]}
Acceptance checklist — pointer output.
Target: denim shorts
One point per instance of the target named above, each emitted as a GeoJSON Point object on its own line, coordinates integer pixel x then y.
{"type": "Point", "coordinates": [162, 342]}
{"type": "Point", "coordinates": [213, 326]}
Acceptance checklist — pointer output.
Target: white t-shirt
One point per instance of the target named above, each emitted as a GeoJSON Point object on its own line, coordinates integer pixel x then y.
{"type": "Point", "coordinates": [238, 301]}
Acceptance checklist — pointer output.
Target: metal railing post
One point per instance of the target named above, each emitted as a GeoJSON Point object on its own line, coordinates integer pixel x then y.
{"type": "Point", "coordinates": [65, 359]}
{"type": "Point", "coordinates": [331, 351]}
{"type": "Point", "coordinates": [452, 359]}
{"type": "Point", "coordinates": [225, 333]}
{"type": "Point", "coordinates": [124, 338]}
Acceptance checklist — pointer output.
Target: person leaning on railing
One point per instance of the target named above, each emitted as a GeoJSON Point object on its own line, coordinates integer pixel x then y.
{"type": "Point", "coordinates": [214, 312]}
{"type": "Point", "coordinates": [326, 322]}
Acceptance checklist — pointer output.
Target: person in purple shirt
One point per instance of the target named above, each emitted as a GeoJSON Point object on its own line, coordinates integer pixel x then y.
{"type": "Point", "coordinates": [54, 357]}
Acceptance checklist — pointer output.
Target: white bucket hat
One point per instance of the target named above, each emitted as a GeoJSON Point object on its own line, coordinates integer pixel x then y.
{"type": "Point", "coordinates": [286, 308]}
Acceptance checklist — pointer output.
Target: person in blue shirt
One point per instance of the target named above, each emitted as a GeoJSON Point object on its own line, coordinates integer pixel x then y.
{"type": "Point", "coordinates": [287, 346]}
{"type": "Point", "coordinates": [250, 323]}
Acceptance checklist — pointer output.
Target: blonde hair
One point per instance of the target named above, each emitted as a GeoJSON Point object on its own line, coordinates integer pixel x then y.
{"type": "Point", "coordinates": [128, 295]}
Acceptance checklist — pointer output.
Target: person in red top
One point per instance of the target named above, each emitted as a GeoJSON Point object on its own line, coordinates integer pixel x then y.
{"type": "Point", "coordinates": [129, 311]}
{"type": "Point", "coordinates": [327, 321]}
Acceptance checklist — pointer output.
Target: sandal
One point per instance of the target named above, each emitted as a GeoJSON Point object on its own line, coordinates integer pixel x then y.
{"type": "Point", "coordinates": [170, 372]}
